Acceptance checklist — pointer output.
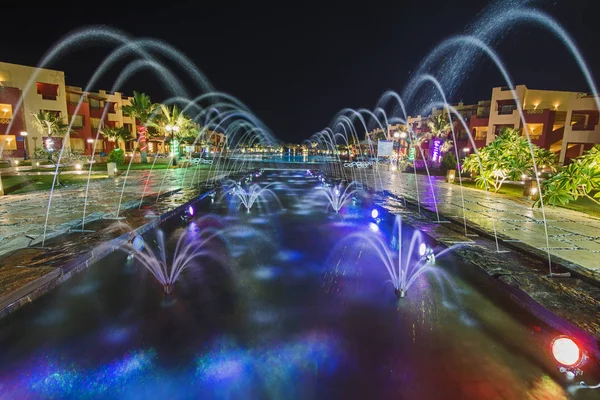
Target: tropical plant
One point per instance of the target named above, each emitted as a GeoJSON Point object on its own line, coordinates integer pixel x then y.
{"type": "Point", "coordinates": [116, 156]}
{"type": "Point", "coordinates": [116, 134]}
{"type": "Point", "coordinates": [448, 162]}
{"type": "Point", "coordinates": [507, 157]}
{"type": "Point", "coordinates": [68, 158]}
{"type": "Point", "coordinates": [581, 178]}
{"type": "Point", "coordinates": [439, 127]}
{"type": "Point", "coordinates": [50, 123]}
{"type": "Point", "coordinates": [177, 125]}
{"type": "Point", "coordinates": [143, 110]}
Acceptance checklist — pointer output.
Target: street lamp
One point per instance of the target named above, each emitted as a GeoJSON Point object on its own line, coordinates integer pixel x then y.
{"type": "Point", "coordinates": [172, 129]}
{"type": "Point", "coordinates": [90, 141]}
{"type": "Point", "coordinates": [24, 135]}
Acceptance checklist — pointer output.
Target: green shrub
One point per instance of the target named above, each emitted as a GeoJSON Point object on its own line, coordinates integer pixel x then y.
{"type": "Point", "coordinates": [448, 162]}
{"type": "Point", "coordinates": [117, 156]}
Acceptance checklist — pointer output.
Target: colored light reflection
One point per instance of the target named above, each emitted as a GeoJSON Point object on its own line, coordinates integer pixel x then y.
{"type": "Point", "coordinates": [373, 227]}
{"type": "Point", "coordinates": [66, 380]}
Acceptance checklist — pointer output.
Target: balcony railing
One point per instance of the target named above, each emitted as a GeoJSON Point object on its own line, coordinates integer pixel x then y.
{"type": "Point", "coordinates": [535, 111]}
{"type": "Point", "coordinates": [581, 127]}
{"type": "Point", "coordinates": [506, 110]}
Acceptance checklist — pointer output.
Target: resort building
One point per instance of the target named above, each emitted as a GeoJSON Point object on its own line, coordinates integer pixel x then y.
{"type": "Point", "coordinates": [564, 122]}
{"type": "Point", "coordinates": [93, 111]}
{"type": "Point", "coordinates": [41, 90]}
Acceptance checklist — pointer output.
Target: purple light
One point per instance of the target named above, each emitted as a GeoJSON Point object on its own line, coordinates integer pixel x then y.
{"type": "Point", "coordinates": [374, 213]}
{"type": "Point", "coordinates": [191, 210]}
{"type": "Point", "coordinates": [436, 149]}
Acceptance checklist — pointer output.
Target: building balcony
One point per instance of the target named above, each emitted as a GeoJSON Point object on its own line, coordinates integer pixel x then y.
{"type": "Point", "coordinates": [581, 127]}
{"type": "Point", "coordinates": [506, 110]}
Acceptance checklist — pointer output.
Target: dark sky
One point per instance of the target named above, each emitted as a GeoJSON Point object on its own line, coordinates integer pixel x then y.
{"type": "Point", "coordinates": [295, 67]}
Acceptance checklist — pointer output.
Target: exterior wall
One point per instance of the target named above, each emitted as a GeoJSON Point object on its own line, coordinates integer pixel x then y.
{"type": "Point", "coordinates": [84, 132]}
{"type": "Point", "coordinates": [18, 76]}
{"type": "Point", "coordinates": [496, 117]}
{"type": "Point", "coordinates": [11, 142]}
{"type": "Point", "coordinates": [550, 117]}
{"type": "Point", "coordinates": [585, 134]}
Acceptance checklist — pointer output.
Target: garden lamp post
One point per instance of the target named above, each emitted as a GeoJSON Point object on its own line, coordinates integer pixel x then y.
{"type": "Point", "coordinates": [172, 130]}
{"type": "Point", "coordinates": [24, 136]}
{"type": "Point", "coordinates": [90, 141]}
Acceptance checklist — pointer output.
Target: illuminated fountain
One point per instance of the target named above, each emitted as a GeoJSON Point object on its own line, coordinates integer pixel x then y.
{"type": "Point", "coordinates": [186, 251]}
{"type": "Point", "coordinates": [248, 196]}
{"type": "Point", "coordinates": [338, 195]}
{"type": "Point", "coordinates": [405, 265]}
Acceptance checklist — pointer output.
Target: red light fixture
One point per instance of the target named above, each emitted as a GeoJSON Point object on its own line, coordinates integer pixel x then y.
{"type": "Point", "coordinates": [567, 352]}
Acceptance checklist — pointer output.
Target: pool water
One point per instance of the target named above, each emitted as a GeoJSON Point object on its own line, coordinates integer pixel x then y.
{"type": "Point", "coordinates": [288, 308]}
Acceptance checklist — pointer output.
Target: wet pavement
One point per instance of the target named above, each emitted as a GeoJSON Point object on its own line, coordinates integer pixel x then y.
{"type": "Point", "coordinates": [572, 235]}
{"type": "Point", "coordinates": [283, 304]}
{"type": "Point", "coordinates": [25, 215]}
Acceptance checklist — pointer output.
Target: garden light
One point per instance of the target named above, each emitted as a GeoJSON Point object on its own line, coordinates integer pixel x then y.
{"type": "Point", "coordinates": [374, 213]}
{"type": "Point", "coordinates": [138, 243]}
{"type": "Point", "coordinates": [191, 210]}
{"type": "Point", "coordinates": [566, 352]}
{"type": "Point", "coordinates": [422, 249]}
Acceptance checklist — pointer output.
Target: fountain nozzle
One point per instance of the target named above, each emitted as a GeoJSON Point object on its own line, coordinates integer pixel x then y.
{"type": "Point", "coordinates": [168, 288]}
{"type": "Point", "coordinates": [400, 293]}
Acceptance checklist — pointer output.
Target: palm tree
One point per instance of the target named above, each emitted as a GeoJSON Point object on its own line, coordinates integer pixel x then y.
{"type": "Point", "coordinates": [176, 125]}
{"type": "Point", "coordinates": [116, 134]}
{"type": "Point", "coordinates": [51, 124]}
{"type": "Point", "coordinates": [439, 127]}
{"type": "Point", "coordinates": [143, 110]}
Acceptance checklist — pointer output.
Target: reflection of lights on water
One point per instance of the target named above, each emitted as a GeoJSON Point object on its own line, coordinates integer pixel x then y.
{"type": "Point", "coordinates": [373, 227]}
{"type": "Point", "coordinates": [62, 381]}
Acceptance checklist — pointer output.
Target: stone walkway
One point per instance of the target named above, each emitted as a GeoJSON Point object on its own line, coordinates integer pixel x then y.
{"type": "Point", "coordinates": [24, 215]}
{"type": "Point", "coordinates": [572, 235]}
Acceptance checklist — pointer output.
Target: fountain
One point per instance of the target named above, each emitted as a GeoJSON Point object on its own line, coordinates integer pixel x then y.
{"type": "Point", "coordinates": [186, 251]}
{"type": "Point", "coordinates": [409, 263]}
{"type": "Point", "coordinates": [249, 195]}
{"type": "Point", "coordinates": [339, 195]}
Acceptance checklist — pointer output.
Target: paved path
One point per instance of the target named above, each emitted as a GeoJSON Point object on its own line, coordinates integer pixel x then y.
{"type": "Point", "coordinates": [572, 235]}
{"type": "Point", "coordinates": [25, 214]}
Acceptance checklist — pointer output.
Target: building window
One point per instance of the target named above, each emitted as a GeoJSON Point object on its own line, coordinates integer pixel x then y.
{"type": "Point", "coordinates": [77, 144]}
{"type": "Point", "coordinates": [77, 121]}
{"type": "Point", "coordinates": [498, 128]}
{"type": "Point", "coordinates": [5, 113]}
{"type": "Point", "coordinates": [73, 98]}
{"type": "Point", "coordinates": [95, 122]}
{"type": "Point", "coordinates": [49, 91]}
{"type": "Point", "coordinates": [8, 142]}
{"type": "Point", "coordinates": [129, 127]}
{"type": "Point", "coordinates": [55, 112]}
{"type": "Point", "coordinates": [95, 103]}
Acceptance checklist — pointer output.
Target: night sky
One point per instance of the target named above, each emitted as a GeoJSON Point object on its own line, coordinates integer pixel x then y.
{"type": "Point", "coordinates": [295, 67]}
